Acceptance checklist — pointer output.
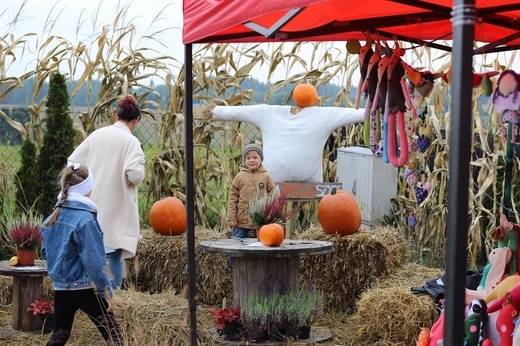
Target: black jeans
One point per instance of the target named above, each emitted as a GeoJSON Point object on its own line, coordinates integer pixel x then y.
{"type": "Point", "coordinates": [66, 303]}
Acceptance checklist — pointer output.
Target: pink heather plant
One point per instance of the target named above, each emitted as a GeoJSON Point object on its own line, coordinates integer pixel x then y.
{"type": "Point", "coordinates": [270, 209]}
{"type": "Point", "coordinates": [25, 234]}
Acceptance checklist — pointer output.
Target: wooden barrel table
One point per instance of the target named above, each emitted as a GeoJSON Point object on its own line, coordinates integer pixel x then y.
{"type": "Point", "coordinates": [256, 265]}
{"type": "Point", "coordinates": [27, 287]}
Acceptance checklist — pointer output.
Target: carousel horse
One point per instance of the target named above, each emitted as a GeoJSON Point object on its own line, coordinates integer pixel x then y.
{"type": "Point", "coordinates": [507, 236]}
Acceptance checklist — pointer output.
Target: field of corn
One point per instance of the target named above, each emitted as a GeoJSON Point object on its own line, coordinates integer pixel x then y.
{"type": "Point", "coordinates": [124, 64]}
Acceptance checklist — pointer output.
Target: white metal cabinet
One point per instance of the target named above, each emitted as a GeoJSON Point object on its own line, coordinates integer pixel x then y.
{"type": "Point", "coordinates": [372, 182]}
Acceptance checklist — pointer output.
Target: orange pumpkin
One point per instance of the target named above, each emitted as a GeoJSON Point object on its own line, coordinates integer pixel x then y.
{"type": "Point", "coordinates": [339, 213]}
{"type": "Point", "coordinates": [305, 95]}
{"type": "Point", "coordinates": [271, 234]}
{"type": "Point", "coordinates": [168, 216]}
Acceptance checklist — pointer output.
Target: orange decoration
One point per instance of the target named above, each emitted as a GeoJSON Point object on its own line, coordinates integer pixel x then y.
{"type": "Point", "coordinates": [338, 213]}
{"type": "Point", "coordinates": [305, 95]}
{"type": "Point", "coordinates": [424, 337]}
{"type": "Point", "coordinates": [168, 216]}
{"type": "Point", "coordinates": [271, 234]}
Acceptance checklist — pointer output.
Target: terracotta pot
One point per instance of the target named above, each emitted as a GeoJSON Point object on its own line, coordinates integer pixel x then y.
{"type": "Point", "coordinates": [26, 257]}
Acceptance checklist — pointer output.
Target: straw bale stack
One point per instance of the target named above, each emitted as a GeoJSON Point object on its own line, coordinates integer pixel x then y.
{"type": "Point", "coordinates": [145, 319]}
{"type": "Point", "coordinates": [358, 260]}
{"type": "Point", "coordinates": [390, 312]}
{"type": "Point", "coordinates": [6, 288]}
{"type": "Point", "coordinates": [396, 244]}
{"type": "Point", "coordinates": [158, 319]}
{"type": "Point", "coordinates": [161, 265]}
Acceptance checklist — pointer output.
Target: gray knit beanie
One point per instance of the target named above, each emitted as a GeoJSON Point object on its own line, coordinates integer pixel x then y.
{"type": "Point", "coordinates": [251, 147]}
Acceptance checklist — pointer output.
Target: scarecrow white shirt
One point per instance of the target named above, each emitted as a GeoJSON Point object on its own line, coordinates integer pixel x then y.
{"type": "Point", "coordinates": [292, 143]}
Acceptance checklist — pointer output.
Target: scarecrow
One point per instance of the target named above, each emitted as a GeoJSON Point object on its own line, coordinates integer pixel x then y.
{"type": "Point", "coordinates": [293, 137]}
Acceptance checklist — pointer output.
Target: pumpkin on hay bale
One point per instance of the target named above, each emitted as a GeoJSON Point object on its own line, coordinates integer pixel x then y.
{"type": "Point", "coordinates": [339, 213]}
{"type": "Point", "coordinates": [168, 216]}
{"type": "Point", "coordinates": [160, 265]}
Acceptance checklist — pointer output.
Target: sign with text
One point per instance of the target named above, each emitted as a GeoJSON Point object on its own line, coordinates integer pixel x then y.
{"type": "Point", "coordinates": [307, 191]}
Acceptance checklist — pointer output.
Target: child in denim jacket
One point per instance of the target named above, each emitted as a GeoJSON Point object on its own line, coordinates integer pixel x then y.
{"type": "Point", "coordinates": [75, 253]}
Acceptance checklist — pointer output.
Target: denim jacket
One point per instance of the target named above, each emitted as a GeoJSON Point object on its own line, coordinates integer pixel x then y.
{"type": "Point", "coordinates": [74, 250]}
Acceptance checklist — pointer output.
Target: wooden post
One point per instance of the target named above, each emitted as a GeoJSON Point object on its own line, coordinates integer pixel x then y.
{"type": "Point", "coordinates": [26, 289]}
{"type": "Point", "coordinates": [290, 225]}
{"type": "Point", "coordinates": [303, 191]}
{"type": "Point", "coordinates": [249, 273]}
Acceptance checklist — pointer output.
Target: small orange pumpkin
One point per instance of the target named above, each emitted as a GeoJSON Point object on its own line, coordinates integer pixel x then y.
{"type": "Point", "coordinates": [339, 213]}
{"type": "Point", "coordinates": [271, 234]}
{"type": "Point", "coordinates": [168, 216]}
{"type": "Point", "coordinates": [305, 95]}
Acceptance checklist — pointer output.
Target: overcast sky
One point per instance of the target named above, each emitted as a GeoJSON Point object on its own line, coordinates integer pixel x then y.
{"type": "Point", "coordinates": [67, 13]}
{"type": "Point", "coordinates": [36, 13]}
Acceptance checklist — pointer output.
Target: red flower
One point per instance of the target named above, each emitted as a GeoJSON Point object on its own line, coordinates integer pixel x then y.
{"type": "Point", "coordinates": [41, 307]}
{"type": "Point", "coordinates": [226, 316]}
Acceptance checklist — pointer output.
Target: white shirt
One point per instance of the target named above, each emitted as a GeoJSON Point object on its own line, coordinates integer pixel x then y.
{"type": "Point", "coordinates": [292, 143]}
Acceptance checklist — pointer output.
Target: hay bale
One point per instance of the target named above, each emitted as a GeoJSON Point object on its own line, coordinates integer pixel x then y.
{"type": "Point", "coordinates": [396, 244]}
{"type": "Point", "coordinates": [161, 264]}
{"type": "Point", "coordinates": [6, 290]}
{"type": "Point", "coordinates": [393, 314]}
{"type": "Point", "coordinates": [145, 319]}
{"type": "Point", "coordinates": [158, 319]}
{"type": "Point", "coordinates": [389, 313]}
{"type": "Point", "coordinates": [409, 275]}
{"type": "Point", "coordinates": [356, 262]}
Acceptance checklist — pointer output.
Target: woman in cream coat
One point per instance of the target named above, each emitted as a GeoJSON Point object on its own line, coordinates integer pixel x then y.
{"type": "Point", "coordinates": [116, 160]}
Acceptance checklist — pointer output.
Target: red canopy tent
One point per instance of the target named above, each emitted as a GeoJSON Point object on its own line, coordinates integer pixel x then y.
{"type": "Point", "coordinates": [337, 20]}
{"type": "Point", "coordinates": [494, 23]}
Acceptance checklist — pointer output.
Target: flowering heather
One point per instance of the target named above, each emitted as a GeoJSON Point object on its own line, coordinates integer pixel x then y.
{"type": "Point", "coordinates": [25, 234]}
{"type": "Point", "coordinates": [270, 209]}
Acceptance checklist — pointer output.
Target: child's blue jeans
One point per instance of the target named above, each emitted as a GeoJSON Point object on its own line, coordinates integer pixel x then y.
{"type": "Point", "coordinates": [238, 233]}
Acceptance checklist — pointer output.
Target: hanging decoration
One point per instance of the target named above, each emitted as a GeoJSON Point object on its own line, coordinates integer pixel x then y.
{"type": "Point", "coordinates": [506, 100]}
{"type": "Point", "coordinates": [395, 108]}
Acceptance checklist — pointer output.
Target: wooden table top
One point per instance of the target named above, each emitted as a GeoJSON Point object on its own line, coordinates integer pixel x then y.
{"type": "Point", "coordinates": [38, 269]}
{"type": "Point", "coordinates": [251, 247]}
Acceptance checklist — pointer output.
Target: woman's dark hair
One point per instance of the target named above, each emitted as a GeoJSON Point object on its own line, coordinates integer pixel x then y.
{"type": "Point", "coordinates": [128, 109]}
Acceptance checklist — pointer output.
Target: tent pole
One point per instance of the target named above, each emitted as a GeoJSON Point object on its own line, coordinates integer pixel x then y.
{"type": "Point", "coordinates": [190, 199]}
{"type": "Point", "coordinates": [463, 22]}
